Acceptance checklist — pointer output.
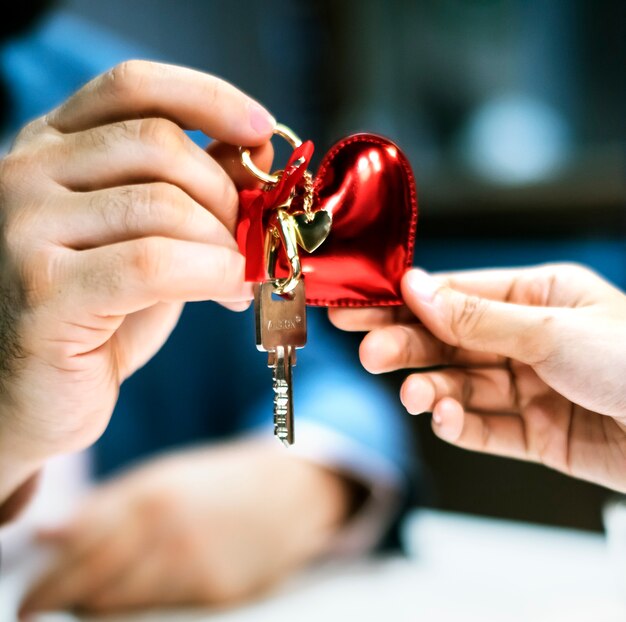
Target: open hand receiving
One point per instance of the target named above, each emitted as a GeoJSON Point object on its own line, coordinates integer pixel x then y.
{"type": "Point", "coordinates": [528, 363]}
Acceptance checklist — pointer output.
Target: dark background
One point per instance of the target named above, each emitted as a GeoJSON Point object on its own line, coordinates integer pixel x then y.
{"type": "Point", "coordinates": [511, 112]}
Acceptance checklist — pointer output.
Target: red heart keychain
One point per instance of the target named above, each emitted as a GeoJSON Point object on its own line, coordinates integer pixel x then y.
{"type": "Point", "coordinates": [357, 233]}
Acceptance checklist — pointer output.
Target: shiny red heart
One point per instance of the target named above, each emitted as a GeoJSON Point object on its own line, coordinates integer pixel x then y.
{"type": "Point", "coordinates": [367, 184]}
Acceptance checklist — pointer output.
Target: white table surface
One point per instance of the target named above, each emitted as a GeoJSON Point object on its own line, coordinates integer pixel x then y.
{"type": "Point", "coordinates": [457, 567]}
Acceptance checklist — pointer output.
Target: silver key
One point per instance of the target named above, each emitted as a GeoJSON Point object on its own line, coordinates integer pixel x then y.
{"type": "Point", "coordinates": [280, 330]}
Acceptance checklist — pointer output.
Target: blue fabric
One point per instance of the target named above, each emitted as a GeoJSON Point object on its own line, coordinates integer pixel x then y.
{"type": "Point", "coordinates": [50, 62]}
{"type": "Point", "coordinates": [208, 382]}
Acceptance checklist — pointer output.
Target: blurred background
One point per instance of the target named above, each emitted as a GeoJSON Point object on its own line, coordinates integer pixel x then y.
{"type": "Point", "coordinates": [512, 113]}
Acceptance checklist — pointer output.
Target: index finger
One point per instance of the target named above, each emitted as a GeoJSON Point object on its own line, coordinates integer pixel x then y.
{"type": "Point", "coordinates": [192, 99]}
{"type": "Point", "coordinates": [492, 283]}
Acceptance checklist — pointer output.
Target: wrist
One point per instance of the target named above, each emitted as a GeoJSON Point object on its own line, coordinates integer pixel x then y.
{"type": "Point", "coordinates": [11, 507]}
{"type": "Point", "coordinates": [336, 497]}
{"type": "Point", "coordinates": [17, 466]}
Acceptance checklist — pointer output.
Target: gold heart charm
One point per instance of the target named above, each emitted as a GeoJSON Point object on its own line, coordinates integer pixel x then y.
{"type": "Point", "coordinates": [312, 229]}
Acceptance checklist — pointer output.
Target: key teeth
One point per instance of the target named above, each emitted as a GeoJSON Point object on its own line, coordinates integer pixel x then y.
{"type": "Point", "coordinates": [281, 407]}
{"type": "Point", "coordinates": [280, 330]}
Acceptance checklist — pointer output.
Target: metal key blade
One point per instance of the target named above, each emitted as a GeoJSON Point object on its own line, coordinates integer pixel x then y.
{"type": "Point", "coordinates": [283, 404]}
{"type": "Point", "coordinates": [280, 329]}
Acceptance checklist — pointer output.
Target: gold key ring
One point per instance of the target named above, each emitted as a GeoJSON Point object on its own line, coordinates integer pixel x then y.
{"type": "Point", "coordinates": [283, 232]}
{"type": "Point", "coordinates": [268, 178]}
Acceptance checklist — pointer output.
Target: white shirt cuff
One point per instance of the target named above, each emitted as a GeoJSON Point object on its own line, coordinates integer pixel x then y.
{"type": "Point", "coordinates": [383, 480]}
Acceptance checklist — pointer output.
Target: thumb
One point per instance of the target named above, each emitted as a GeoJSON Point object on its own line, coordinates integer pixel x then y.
{"type": "Point", "coordinates": [475, 323]}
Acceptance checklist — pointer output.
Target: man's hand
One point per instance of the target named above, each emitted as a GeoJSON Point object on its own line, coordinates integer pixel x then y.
{"type": "Point", "coordinates": [111, 218]}
{"type": "Point", "coordinates": [529, 363]}
{"type": "Point", "coordinates": [208, 526]}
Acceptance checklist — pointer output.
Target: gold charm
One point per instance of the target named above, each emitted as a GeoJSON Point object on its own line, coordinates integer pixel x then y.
{"type": "Point", "coordinates": [312, 229]}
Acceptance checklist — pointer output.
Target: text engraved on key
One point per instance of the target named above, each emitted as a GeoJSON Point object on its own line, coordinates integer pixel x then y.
{"type": "Point", "coordinates": [280, 321]}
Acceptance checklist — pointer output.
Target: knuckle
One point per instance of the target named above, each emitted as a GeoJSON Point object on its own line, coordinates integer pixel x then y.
{"type": "Point", "coordinates": [161, 134]}
{"type": "Point", "coordinates": [405, 346]}
{"type": "Point", "coordinates": [466, 318]}
{"type": "Point", "coordinates": [539, 344]}
{"type": "Point", "coordinates": [572, 268]}
{"type": "Point", "coordinates": [39, 272]}
{"type": "Point", "coordinates": [569, 272]}
{"type": "Point", "coordinates": [19, 209]}
{"type": "Point", "coordinates": [577, 273]}
{"type": "Point", "coordinates": [14, 169]}
{"type": "Point", "coordinates": [151, 259]}
{"type": "Point", "coordinates": [30, 130]}
{"type": "Point", "coordinates": [126, 80]}
{"type": "Point", "coordinates": [168, 204]}
{"type": "Point", "coordinates": [161, 506]}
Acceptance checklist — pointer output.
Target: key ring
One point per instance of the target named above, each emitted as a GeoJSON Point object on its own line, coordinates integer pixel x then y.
{"type": "Point", "coordinates": [283, 231]}
{"type": "Point", "coordinates": [268, 178]}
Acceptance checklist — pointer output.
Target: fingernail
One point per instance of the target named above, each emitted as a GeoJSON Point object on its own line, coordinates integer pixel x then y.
{"type": "Point", "coordinates": [261, 120]}
{"type": "Point", "coordinates": [406, 403]}
{"type": "Point", "coordinates": [447, 419]}
{"type": "Point", "coordinates": [422, 284]}
{"type": "Point", "coordinates": [410, 395]}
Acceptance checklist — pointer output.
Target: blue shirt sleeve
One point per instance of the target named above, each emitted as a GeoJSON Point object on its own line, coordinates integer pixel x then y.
{"type": "Point", "coordinates": [45, 65]}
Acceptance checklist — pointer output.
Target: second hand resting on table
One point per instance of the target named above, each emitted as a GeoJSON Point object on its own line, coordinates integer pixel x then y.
{"type": "Point", "coordinates": [193, 527]}
{"type": "Point", "coordinates": [530, 363]}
